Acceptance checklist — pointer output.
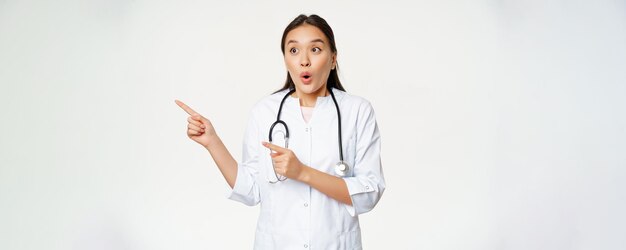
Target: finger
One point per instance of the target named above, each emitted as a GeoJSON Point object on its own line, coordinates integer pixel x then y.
{"type": "Point", "coordinates": [277, 157]}
{"type": "Point", "coordinates": [199, 118]}
{"type": "Point", "coordinates": [185, 107]}
{"type": "Point", "coordinates": [194, 127]}
{"type": "Point", "coordinates": [280, 171]}
{"type": "Point", "coordinates": [278, 165]}
{"type": "Point", "coordinates": [193, 132]}
{"type": "Point", "coordinates": [276, 148]}
{"type": "Point", "coordinates": [193, 121]}
{"type": "Point", "coordinates": [275, 163]}
{"type": "Point", "coordinates": [283, 158]}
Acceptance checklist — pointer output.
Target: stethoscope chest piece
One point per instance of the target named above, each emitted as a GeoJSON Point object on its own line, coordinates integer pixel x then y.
{"type": "Point", "coordinates": [342, 168]}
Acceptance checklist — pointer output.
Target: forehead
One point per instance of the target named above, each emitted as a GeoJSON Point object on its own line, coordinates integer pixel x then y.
{"type": "Point", "coordinates": [306, 33]}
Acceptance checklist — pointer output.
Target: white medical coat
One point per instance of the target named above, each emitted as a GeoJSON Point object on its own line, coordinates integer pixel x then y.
{"type": "Point", "coordinates": [293, 214]}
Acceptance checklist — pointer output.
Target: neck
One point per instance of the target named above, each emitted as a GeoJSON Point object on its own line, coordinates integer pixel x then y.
{"type": "Point", "coordinates": [310, 99]}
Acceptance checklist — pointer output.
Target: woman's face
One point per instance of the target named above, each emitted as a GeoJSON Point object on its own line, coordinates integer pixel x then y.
{"type": "Point", "coordinates": [309, 59]}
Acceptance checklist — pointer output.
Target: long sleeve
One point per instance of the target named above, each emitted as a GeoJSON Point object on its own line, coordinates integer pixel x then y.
{"type": "Point", "coordinates": [367, 184]}
{"type": "Point", "coordinates": [246, 189]}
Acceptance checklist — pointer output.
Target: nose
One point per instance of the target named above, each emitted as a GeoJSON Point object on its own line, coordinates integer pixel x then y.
{"type": "Point", "coordinates": [304, 60]}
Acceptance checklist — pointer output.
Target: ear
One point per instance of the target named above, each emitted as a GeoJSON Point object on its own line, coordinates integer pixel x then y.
{"type": "Point", "coordinates": [334, 61]}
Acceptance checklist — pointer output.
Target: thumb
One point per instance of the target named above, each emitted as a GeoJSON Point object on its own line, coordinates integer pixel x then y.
{"type": "Point", "coordinates": [199, 118]}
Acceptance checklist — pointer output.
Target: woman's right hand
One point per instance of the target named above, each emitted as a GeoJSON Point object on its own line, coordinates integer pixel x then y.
{"type": "Point", "coordinates": [199, 128]}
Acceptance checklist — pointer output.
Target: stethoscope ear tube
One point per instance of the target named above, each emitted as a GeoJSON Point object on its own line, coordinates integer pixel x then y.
{"type": "Point", "coordinates": [338, 125]}
{"type": "Point", "coordinates": [278, 120]}
{"type": "Point", "coordinates": [284, 125]}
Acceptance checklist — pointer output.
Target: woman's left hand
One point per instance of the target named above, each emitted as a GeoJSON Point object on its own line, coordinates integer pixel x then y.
{"type": "Point", "coordinates": [285, 162]}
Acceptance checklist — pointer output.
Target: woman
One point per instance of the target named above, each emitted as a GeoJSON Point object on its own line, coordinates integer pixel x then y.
{"type": "Point", "coordinates": [310, 194]}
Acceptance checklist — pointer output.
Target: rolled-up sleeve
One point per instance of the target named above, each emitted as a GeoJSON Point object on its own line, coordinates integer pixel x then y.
{"type": "Point", "coordinates": [367, 184]}
{"type": "Point", "coordinates": [246, 188]}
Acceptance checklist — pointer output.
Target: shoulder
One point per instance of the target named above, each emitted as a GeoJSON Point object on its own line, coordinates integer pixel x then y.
{"type": "Point", "coordinates": [271, 99]}
{"type": "Point", "coordinates": [268, 103]}
{"type": "Point", "coordinates": [353, 102]}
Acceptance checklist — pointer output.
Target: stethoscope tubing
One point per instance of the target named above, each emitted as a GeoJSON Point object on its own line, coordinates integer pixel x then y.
{"type": "Point", "coordinates": [341, 164]}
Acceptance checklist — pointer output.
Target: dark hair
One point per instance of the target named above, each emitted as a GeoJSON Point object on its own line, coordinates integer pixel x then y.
{"type": "Point", "coordinates": [320, 23]}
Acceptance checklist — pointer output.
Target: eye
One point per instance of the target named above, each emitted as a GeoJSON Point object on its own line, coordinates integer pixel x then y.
{"type": "Point", "coordinates": [316, 49]}
{"type": "Point", "coordinates": [293, 50]}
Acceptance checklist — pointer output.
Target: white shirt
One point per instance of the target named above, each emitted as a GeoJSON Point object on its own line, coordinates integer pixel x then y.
{"type": "Point", "coordinates": [307, 112]}
{"type": "Point", "coordinates": [293, 214]}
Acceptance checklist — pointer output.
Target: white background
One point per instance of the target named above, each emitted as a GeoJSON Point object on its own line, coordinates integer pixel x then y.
{"type": "Point", "coordinates": [503, 122]}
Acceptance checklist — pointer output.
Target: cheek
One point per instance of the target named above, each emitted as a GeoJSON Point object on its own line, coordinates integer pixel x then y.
{"type": "Point", "coordinates": [325, 64]}
{"type": "Point", "coordinates": [328, 60]}
{"type": "Point", "coordinates": [291, 63]}
{"type": "Point", "coordinates": [289, 66]}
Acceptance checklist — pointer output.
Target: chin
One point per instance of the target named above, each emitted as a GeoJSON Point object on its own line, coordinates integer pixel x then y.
{"type": "Point", "coordinates": [309, 89]}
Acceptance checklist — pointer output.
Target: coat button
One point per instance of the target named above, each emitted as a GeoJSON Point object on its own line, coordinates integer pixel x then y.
{"type": "Point", "coordinates": [306, 246]}
{"type": "Point", "coordinates": [306, 204]}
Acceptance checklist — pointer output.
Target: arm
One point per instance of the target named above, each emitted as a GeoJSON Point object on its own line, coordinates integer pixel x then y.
{"type": "Point", "coordinates": [330, 185]}
{"type": "Point", "coordinates": [367, 184]}
{"type": "Point", "coordinates": [223, 159]}
{"type": "Point", "coordinates": [287, 164]}
{"type": "Point", "coordinates": [239, 176]}
{"type": "Point", "coordinates": [201, 131]}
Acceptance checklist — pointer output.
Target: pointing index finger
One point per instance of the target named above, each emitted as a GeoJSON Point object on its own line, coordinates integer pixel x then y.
{"type": "Point", "coordinates": [185, 108]}
{"type": "Point", "coordinates": [274, 147]}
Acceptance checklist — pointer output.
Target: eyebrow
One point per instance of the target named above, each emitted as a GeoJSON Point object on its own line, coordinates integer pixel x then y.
{"type": "Point", "coordinates": [312, 41]}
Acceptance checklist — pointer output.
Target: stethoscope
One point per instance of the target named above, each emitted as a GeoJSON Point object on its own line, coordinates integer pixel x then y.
{"type": "Point", "coordinates": [341, 168]}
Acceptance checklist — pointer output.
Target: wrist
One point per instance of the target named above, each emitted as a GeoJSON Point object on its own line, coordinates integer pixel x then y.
{"type": "Point", "coordinates": [305, 174]}
{"type": "Point", "coordinates": [213, 139]}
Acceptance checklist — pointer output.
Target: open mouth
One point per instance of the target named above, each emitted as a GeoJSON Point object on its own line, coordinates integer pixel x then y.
{"type": "Point", "coordinates": [306, 77]}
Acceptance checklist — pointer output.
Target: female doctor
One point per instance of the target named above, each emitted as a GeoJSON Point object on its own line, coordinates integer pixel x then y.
{"type": "Point", "coordinates": [311, 151]}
